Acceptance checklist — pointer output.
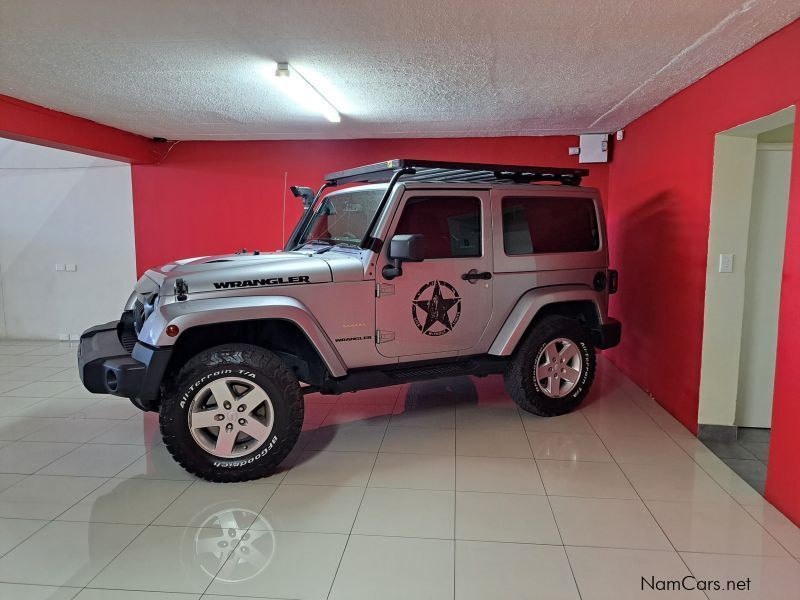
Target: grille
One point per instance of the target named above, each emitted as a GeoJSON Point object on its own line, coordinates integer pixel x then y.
{"type": "Point", "coordinates": [138, 315]}
{"type": "Point", "coordinates": [128, 340]}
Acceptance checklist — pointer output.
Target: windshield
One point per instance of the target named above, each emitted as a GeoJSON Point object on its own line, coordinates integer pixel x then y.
{"type": "Point", "coordinates": [343, 218]}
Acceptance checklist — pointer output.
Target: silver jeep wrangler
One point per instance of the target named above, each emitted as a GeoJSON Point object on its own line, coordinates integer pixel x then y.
{"type": "Point", "coordinates": [424, 269]}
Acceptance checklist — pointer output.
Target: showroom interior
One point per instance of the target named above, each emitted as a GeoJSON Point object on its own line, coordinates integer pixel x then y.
{"type": "Point", "coordinates": [177, 143]}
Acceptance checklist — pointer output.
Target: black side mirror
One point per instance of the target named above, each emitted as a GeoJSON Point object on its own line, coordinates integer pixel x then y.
{"type": "Point", "coordinates": [306, 194]}
{"type": "Point", "coordinates": [404, 248]}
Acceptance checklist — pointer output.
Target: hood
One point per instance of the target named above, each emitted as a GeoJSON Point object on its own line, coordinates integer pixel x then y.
{"type": "Point", "coordinates": [242, 271]}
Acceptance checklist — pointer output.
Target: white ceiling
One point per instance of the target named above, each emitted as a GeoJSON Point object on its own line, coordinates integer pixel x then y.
{"type": "Point", "coordinates": [199, 69]}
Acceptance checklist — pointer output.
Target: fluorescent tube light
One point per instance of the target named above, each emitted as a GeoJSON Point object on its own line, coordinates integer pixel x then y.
{"type": "Point", "coordinates": [305, 94]}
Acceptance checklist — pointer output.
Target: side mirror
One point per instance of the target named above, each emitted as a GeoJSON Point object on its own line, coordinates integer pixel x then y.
{"type": "Point", "coordinates": [306, 194]}
{"type": "Point", "coordinates": [404, 248]}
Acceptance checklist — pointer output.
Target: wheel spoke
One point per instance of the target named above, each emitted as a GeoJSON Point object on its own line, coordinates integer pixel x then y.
{"type": "Point", "coordinates": [570, 374]}
{"type": "Point", "coordinates": [555, 385]}
{"type": "Point", "coordinates": [568, 352]}
{"type": "Point", "coordinates": [255, 429]}
{"type": "Point", "coordinates": [226, 441]}
{"type": "Point", "coordinates": [543, 372]}
{"type": "Point", "coordinates": [252, 399]}
{"type": "Point", "coordinates": [204, 419]}
{"type": "Point", "coordinates": [221, 391]}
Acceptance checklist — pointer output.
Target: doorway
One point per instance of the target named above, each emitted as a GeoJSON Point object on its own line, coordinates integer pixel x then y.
{"type": "Point", "coordinates": [750, 197]}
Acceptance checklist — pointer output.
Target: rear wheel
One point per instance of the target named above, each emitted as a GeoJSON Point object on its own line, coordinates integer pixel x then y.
{"type": "Point", "coordinates": [234, 414]}
{"type": "Point", "coordinates": [553, 368]}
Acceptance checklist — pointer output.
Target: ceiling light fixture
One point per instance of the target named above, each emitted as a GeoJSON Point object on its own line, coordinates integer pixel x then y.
{"type": "Point", "coordinates": [297, 87]}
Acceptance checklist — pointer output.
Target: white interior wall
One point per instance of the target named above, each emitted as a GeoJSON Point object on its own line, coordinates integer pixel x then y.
{"type": "Point", "coordinates": [735, 153]}
{"type": "Point", "coordinates": [764, 269]}
{"type": "Point", "coordinates": [59, 207]}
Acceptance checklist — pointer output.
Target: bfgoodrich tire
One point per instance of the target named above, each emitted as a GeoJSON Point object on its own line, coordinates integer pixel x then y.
{"type": "Point", "coordinates": [233, 414]}
{"type": "Point", "coordinates": [553, 368]}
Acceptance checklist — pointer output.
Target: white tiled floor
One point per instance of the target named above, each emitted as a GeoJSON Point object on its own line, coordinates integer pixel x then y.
{"type": "Point", "coordinates": [437, 490]}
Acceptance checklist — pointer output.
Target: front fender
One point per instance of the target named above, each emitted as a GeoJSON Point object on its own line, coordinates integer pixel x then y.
{"type": "Point", "coordinates": [194, 313]}
{"type": "Point", "coordinates": [531, 303]}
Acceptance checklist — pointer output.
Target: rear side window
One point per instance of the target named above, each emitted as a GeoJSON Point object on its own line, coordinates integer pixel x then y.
{"type": "Point", "coordinates": [451, 225]}
{"type": "Point", "coordinates": [546, 225]}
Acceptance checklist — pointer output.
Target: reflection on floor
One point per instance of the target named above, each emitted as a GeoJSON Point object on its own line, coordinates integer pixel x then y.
{"type": "Point", "coordinates": [437, 490]}
{"type": "Point", "coordinates": [747, 456]}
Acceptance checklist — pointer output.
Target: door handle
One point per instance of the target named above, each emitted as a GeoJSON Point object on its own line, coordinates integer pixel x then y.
{"type": "Point", "coordinates": [474, 275]}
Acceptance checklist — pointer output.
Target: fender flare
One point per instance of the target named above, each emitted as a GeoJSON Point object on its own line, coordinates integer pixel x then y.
{"type": "Point", "coordinates": [194, 313]}
{"type": "Point", "coordinates": [529, 304]}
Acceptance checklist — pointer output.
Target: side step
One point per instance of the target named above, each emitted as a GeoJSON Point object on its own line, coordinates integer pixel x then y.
{"type": "Point", "coordinates": [363, 379]}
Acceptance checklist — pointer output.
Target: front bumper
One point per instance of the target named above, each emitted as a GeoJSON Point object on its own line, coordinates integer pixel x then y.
{"type": "Point", "coordinates": [106, 367]}
{"type": "Point", "coordinates": [608, 335]}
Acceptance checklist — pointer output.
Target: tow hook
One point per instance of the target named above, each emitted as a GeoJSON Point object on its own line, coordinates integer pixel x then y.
{"type": "Point", "coordinates": [181, 290]}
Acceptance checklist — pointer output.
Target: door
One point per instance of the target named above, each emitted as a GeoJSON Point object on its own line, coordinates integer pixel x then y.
{"type": "Point", "coordinates": [442, 304]}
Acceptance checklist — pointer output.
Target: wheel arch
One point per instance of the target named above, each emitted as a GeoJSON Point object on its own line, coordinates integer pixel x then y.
{"type": "Point", "coordinates": [579, 302]}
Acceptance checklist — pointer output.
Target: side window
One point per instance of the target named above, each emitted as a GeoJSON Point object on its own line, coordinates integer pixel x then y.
{"type": "Point", "coordinates": [451, 225]}
{"type": "Point", "coordinates": [543, 225]}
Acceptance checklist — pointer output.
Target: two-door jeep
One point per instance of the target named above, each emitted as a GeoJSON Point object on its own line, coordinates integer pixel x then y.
{"type": "Point", "coordinates": [425, 269]}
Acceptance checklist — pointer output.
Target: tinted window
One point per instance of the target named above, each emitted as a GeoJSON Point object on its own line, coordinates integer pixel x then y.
{"type": "Point", "coordinates": [344, 216]}
{"type": "Point", "coordinates": [451, 226]}
{"type": "Point", "coordinates": [541, 225]}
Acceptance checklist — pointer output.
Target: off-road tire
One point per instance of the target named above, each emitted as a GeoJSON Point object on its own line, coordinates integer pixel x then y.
{"type": "Point", "coordinates": [264, 369]}
{"type": "Point", "coordinates": [521, 382]}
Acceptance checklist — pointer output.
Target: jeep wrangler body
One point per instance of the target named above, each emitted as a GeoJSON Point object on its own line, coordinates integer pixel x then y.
{"type": "Point", "coordinates": [422, 270]}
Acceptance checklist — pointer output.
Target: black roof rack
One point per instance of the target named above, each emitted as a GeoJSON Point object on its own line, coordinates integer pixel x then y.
{"type": "Point", "coordinates": [454, 172]}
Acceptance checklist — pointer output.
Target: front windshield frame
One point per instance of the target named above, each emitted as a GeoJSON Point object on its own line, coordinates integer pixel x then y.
{"type": "Point", "coordinates": [375, 198]}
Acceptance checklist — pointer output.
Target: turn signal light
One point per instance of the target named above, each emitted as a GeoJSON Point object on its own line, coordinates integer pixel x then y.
{"type": "Point", "coordinates": [172, 330]}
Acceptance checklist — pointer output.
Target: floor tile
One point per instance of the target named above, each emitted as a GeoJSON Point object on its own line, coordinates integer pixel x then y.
{"type": "Point", "coordinates": [778, 525]}
{"type": "Point", "coordinates": [16, 428]}
{"type": "Point", "coordinates": [483, 516]}
{"type": "Point", "coordinates": [573, 422]}
{"type": "Point", "coordinates": [645, 450]}
{"type": "Point", "coordinates": [311, 508]}
{"type": "Point", "coordinates": [407, 513]}
{"type": "Point", "coordinates": [506, 475]}
{"type": "Point", "coordinates": [134, 501]}
{"type": "Point", "coordinates": [41, 389]}
{"type": "Point", "coordinates": [346, 438]}
{"type": "Point", "coordinates": [414, 471]}
{"type": "Point", "coordinates": [9, 479]}
{"type": "Point", "coordinates": [398, 568]}
{"type": "Point", "coordinates": [41, 497]}
{"type": "Point", "coordinates": [15, 531]}
{"type": "Point", "coordinates": [206, 504]}
{"type": "Point", "coordinates": [95, 460]}
{"type": "Point", "coordinates": [419, 441]}
{"type": "Point", "coordinates": [568, 446]}
{"type": "Point", "coordinates": [75, 553]}
{"type": "Point", "coordinates": [498, 441]}
{"type": "Point", "coordinates": [728, 480]}
{"type": "Point", "coordinates": [282, 564]}
{"type": "Point", "coordinates": [29, 457]}
{"type": "Point", "coordinates": [438, 417]}
{"type": "Point", "coordinates": [96, 594]}
{"type": "Point", "coordinates": [365, 415]}
{"type": "Point", "coordinates": [753, 435]}
{"type": "Point", "coordinates": [719, 527]}
{"type": "Point", "coordinates": [746, 577]}
{"type": "Point", "coordinates": [758, 449]}
{"type": "Point", "coordinates": [606, 522]}
{"type": "Point", "coordinates": [521, 571]}
{"type": "Point", "coordinates": [131, 431]}
{"type": "Point", "coordinates": [7, 386]}
{"type": "Point", "coordinates": [729, 450]}
{"type": "Point", "coordinates": [156, 464]}
{"type": "Point", "coordinates": [624, 423]}
{"type": "Point", "coordinates": [22, 360]}
{"type": "Point", "coordinates": [586, 479]}
{"type": "Point", "coordinates": [615, 574]}
{"type": "Point", "coordinates": [676, 482]}
{"type": "Point", "coordinates": [76, 431]}
{"type": "Point", "coordinates": [109, 408]}
{"type": "Point", "coordinates": [331, 468]}
{"type": "Point", "coordinates": [29, 374]}
{"type": "Point", "coordinates": [56, 407]}
{"type": "Point", "coordinates": [169, 559]}
{"type": "Point", "coordinates": [18, 591]}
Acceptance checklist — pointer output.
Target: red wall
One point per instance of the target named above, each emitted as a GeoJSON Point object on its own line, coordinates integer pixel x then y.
{"type": "Point", "coordinates": [659, 206]}
{"type": "Point", "coordinates": [217, 197]}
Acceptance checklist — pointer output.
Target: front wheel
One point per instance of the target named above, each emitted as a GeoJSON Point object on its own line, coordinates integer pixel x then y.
{"type": "Point", "coordinates": [553, 368]}
{"type": "Point", "coordinates": [234, 414]}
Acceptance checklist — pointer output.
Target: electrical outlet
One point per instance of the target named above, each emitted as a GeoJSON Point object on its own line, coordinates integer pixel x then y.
{"type": "Point", "coordinates": [71, 268]}
{"type": "Point", "coordinates": [60, 267]}
{"type": "Point", "coordinates": [63, 337]}
{"type": "Point", "coordinates": [726, 263]}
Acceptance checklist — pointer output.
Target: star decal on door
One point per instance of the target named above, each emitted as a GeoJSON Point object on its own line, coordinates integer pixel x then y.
{"type": "Point", "coordinates": [439, 305]}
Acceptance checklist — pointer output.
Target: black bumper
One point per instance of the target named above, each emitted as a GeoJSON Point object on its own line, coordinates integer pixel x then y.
{"type": "Point", "coordinates": [106, 367]}
{"type": "Point", "coordinates": [608, 335]}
